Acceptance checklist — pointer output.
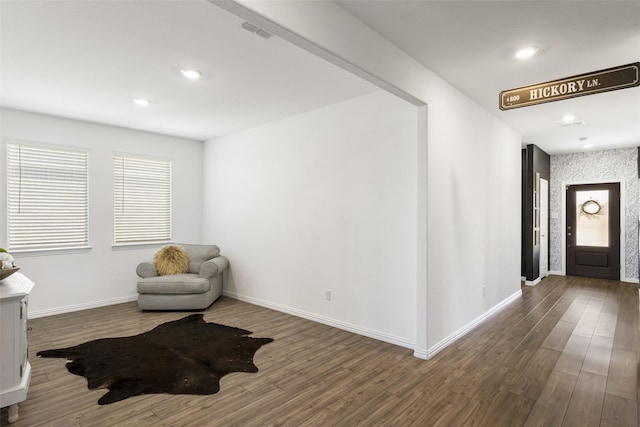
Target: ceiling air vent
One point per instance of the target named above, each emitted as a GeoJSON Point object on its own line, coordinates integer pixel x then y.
{"type": "Point", "coordinates": [256, 30]}
{"type": "Point", "coordinates": [576, 123]}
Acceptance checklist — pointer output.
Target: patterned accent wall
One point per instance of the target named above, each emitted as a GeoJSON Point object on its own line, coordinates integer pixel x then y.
{"type": "Point", "coordinates": [621, 164]}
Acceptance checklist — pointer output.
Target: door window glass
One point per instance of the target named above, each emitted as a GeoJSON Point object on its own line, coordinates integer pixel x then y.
{"type": "Point", "coordinates": [592, 218]}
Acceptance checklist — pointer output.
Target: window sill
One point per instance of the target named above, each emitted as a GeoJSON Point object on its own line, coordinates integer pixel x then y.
{"type": "Point", "coordinates": [129, 246]}
{"type": "Point", "coordinates": [50, 252]}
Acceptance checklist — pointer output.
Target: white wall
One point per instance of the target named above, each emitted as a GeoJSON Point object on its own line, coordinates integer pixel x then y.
{"type": "Point", "coordinates": [102, 275]}
{"type": "Point", "coordinates": [323, 200]}
{"type": "Point", "coordinates": [472, 168]}
{"type": "Point", "coordinates": [474, 185]}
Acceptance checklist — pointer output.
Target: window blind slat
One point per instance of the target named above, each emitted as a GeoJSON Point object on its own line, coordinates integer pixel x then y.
{"type": "Point", "coordinates": [47, 197]}
{"type": "Point", "coordinates": [142, 199]}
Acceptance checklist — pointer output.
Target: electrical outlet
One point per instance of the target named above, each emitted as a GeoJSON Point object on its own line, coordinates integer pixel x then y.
{"type": "Point", "coordinates": [327, 294]}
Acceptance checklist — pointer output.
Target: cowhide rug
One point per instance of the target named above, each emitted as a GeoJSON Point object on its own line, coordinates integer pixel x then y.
{"type": "Point", "coordinates": [186, 356]}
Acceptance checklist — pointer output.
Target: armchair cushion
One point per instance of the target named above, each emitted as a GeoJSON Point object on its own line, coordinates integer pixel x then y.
{"type": "Point", "coordinates": [174, 284]}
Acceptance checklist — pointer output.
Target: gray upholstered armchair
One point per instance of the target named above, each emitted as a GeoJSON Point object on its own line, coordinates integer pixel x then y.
{"type": "Point", "coordinates": [195, 290]}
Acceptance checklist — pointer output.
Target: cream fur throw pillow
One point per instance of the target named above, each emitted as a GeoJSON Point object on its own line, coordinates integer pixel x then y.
{"type": "Point", "coordinates": [171, 259]}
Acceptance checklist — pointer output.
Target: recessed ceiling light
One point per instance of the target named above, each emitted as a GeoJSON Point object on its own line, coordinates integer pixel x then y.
{"type": "Point", "coordinates": [526, 52]}
{"type": "Point", "coordinates": [190, 73]}
{"type": "Point", "coordinates": [141, 102]}
{"type": "Point", "coordinates": [568, 118]}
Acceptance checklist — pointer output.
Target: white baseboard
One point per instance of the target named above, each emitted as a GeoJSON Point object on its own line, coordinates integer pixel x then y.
{"type": "Point", "coordinates": [627, 279]}
{"type": "Point", "coordinates": [532, 282]}
{"type": "Point", "coordinates": [83, 306]}
{"type": "Point", "coordinates": [380, 336]}
{"type": "Point", "coordinates": [419, 353]}
{"type": "Point", "coordinates": [466, 328]}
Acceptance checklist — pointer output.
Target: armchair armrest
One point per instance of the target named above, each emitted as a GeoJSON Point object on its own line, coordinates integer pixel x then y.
{"type": "Point", "coordinates": [146, 269]}
{"type": "Point", "coordinates": [213, 267]}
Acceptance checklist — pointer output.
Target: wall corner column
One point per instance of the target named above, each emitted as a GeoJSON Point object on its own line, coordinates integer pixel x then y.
{"type": "Point", "coordinates": [422, 294]}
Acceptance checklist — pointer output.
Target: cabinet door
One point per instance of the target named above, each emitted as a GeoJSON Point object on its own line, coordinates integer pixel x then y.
{"type": "Point", "coordinates": [10, 344]}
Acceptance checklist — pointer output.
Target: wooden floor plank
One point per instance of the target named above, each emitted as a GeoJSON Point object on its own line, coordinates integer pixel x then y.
{"type": "Point", "coordinates": [530, 380]}
{"type": "Point", "coordinates": [559, 335]}
{"type": "Point", "coordinates": [585, 405]}
{"type": "Point", "coordinates": [618, 411]}
{"type": "Point", "coordinates": [573, 354]}
{"type": "Point", "coordinates": [552, 404]}
{"type": "Point", "coordinates": [606, 326]}
{"type": "Point", "coordinates": [622, 380]}
{"type": "Point", "coordinates": [598, 355]}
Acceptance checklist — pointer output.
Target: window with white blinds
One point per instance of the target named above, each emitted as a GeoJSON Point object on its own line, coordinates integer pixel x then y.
{"type": "Point", "coordinates": [142, 200]}
{"type": "Point", "coordinates": [47, 197]}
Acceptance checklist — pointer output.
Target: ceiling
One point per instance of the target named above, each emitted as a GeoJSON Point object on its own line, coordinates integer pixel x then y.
{"type": "Point", "coordinates": [88, 59]}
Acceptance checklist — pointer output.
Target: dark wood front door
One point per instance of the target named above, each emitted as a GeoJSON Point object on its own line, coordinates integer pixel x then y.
{"type": "Point", "coordinates": [593, 230]}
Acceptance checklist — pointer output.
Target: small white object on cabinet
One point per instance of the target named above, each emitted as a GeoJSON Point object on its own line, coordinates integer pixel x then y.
{"type": "Point", "coordinates": [15, 370]}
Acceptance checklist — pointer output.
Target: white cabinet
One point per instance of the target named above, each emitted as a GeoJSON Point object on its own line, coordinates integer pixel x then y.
{"type": "Point", "coordinates": [15, 370]}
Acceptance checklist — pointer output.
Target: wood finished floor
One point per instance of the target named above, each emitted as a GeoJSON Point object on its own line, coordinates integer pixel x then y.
{"type": "Point", "coordinates": [565, 354]}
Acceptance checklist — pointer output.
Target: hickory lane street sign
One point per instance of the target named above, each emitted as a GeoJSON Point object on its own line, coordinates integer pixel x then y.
{"type": "Point", "coordinates": [615, 78]}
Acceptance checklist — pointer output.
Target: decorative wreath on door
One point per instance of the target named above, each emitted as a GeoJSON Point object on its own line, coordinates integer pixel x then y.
{"type": "Point", "coordinates": [591, 207]}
